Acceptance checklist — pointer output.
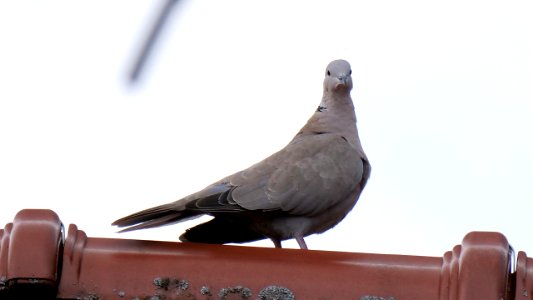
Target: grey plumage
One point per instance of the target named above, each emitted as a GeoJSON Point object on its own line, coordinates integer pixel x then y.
{"type": "Point", "coordinates": [305, 188]}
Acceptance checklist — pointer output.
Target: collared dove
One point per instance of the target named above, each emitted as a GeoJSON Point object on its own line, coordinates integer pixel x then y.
{"type": "Point", "coordinates": [305, 188]}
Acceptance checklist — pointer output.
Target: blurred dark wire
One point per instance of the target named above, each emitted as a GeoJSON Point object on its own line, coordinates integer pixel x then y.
{"type": "Point", "coordinates": [150, 41]}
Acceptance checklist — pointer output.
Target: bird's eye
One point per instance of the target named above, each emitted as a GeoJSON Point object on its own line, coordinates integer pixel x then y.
{"type": "Point", "coordinates": [328, 73]}
{"type": "Point", "coordinates": [350, 72]}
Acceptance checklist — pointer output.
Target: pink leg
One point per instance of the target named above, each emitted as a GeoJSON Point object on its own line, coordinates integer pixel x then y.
{"type": "Point", "coordinates": [301, 242]}
{"type": "Point", "coordinates": [277, 243]}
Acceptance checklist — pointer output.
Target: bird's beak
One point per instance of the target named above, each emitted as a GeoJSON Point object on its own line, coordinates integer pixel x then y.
{"type": "Point", "coordinates": [342, 81]}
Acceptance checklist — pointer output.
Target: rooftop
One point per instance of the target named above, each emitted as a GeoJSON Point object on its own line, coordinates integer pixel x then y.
{"type": "Point", "coordinates": [37, 259]}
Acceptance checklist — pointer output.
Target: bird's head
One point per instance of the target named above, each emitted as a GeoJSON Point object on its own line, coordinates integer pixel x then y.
{"type": "Point", "coordinates": [338, 77]}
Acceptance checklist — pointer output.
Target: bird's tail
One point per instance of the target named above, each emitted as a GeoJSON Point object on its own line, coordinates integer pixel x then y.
{"type": "Point", "coordinates": [161, 215]}
{"type": "Point", "coordinates": [221, 230]}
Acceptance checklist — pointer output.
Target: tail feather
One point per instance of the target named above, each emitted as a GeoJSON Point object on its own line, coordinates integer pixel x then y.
{"type": "Point", "coordinates": [162, 215]}
{"type": "Point", "coordinates": [221, 230]}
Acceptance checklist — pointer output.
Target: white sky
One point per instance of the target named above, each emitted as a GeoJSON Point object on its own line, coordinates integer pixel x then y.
{"type": "Point", "coordinates": [443, 94]}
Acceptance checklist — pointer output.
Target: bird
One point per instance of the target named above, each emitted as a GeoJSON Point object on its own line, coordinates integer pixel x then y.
{"type": "Point", "coordinates": [306, 188]}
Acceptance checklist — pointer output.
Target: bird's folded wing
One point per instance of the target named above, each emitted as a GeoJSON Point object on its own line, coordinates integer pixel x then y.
{"type": "Point", "coordinates": [305, 178]}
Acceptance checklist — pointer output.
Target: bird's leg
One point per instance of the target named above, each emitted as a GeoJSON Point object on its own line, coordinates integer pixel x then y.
{"type": "Point", "coordinates": [301, 242]}
{"type": "Point", "coordinates": [277, 243]}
